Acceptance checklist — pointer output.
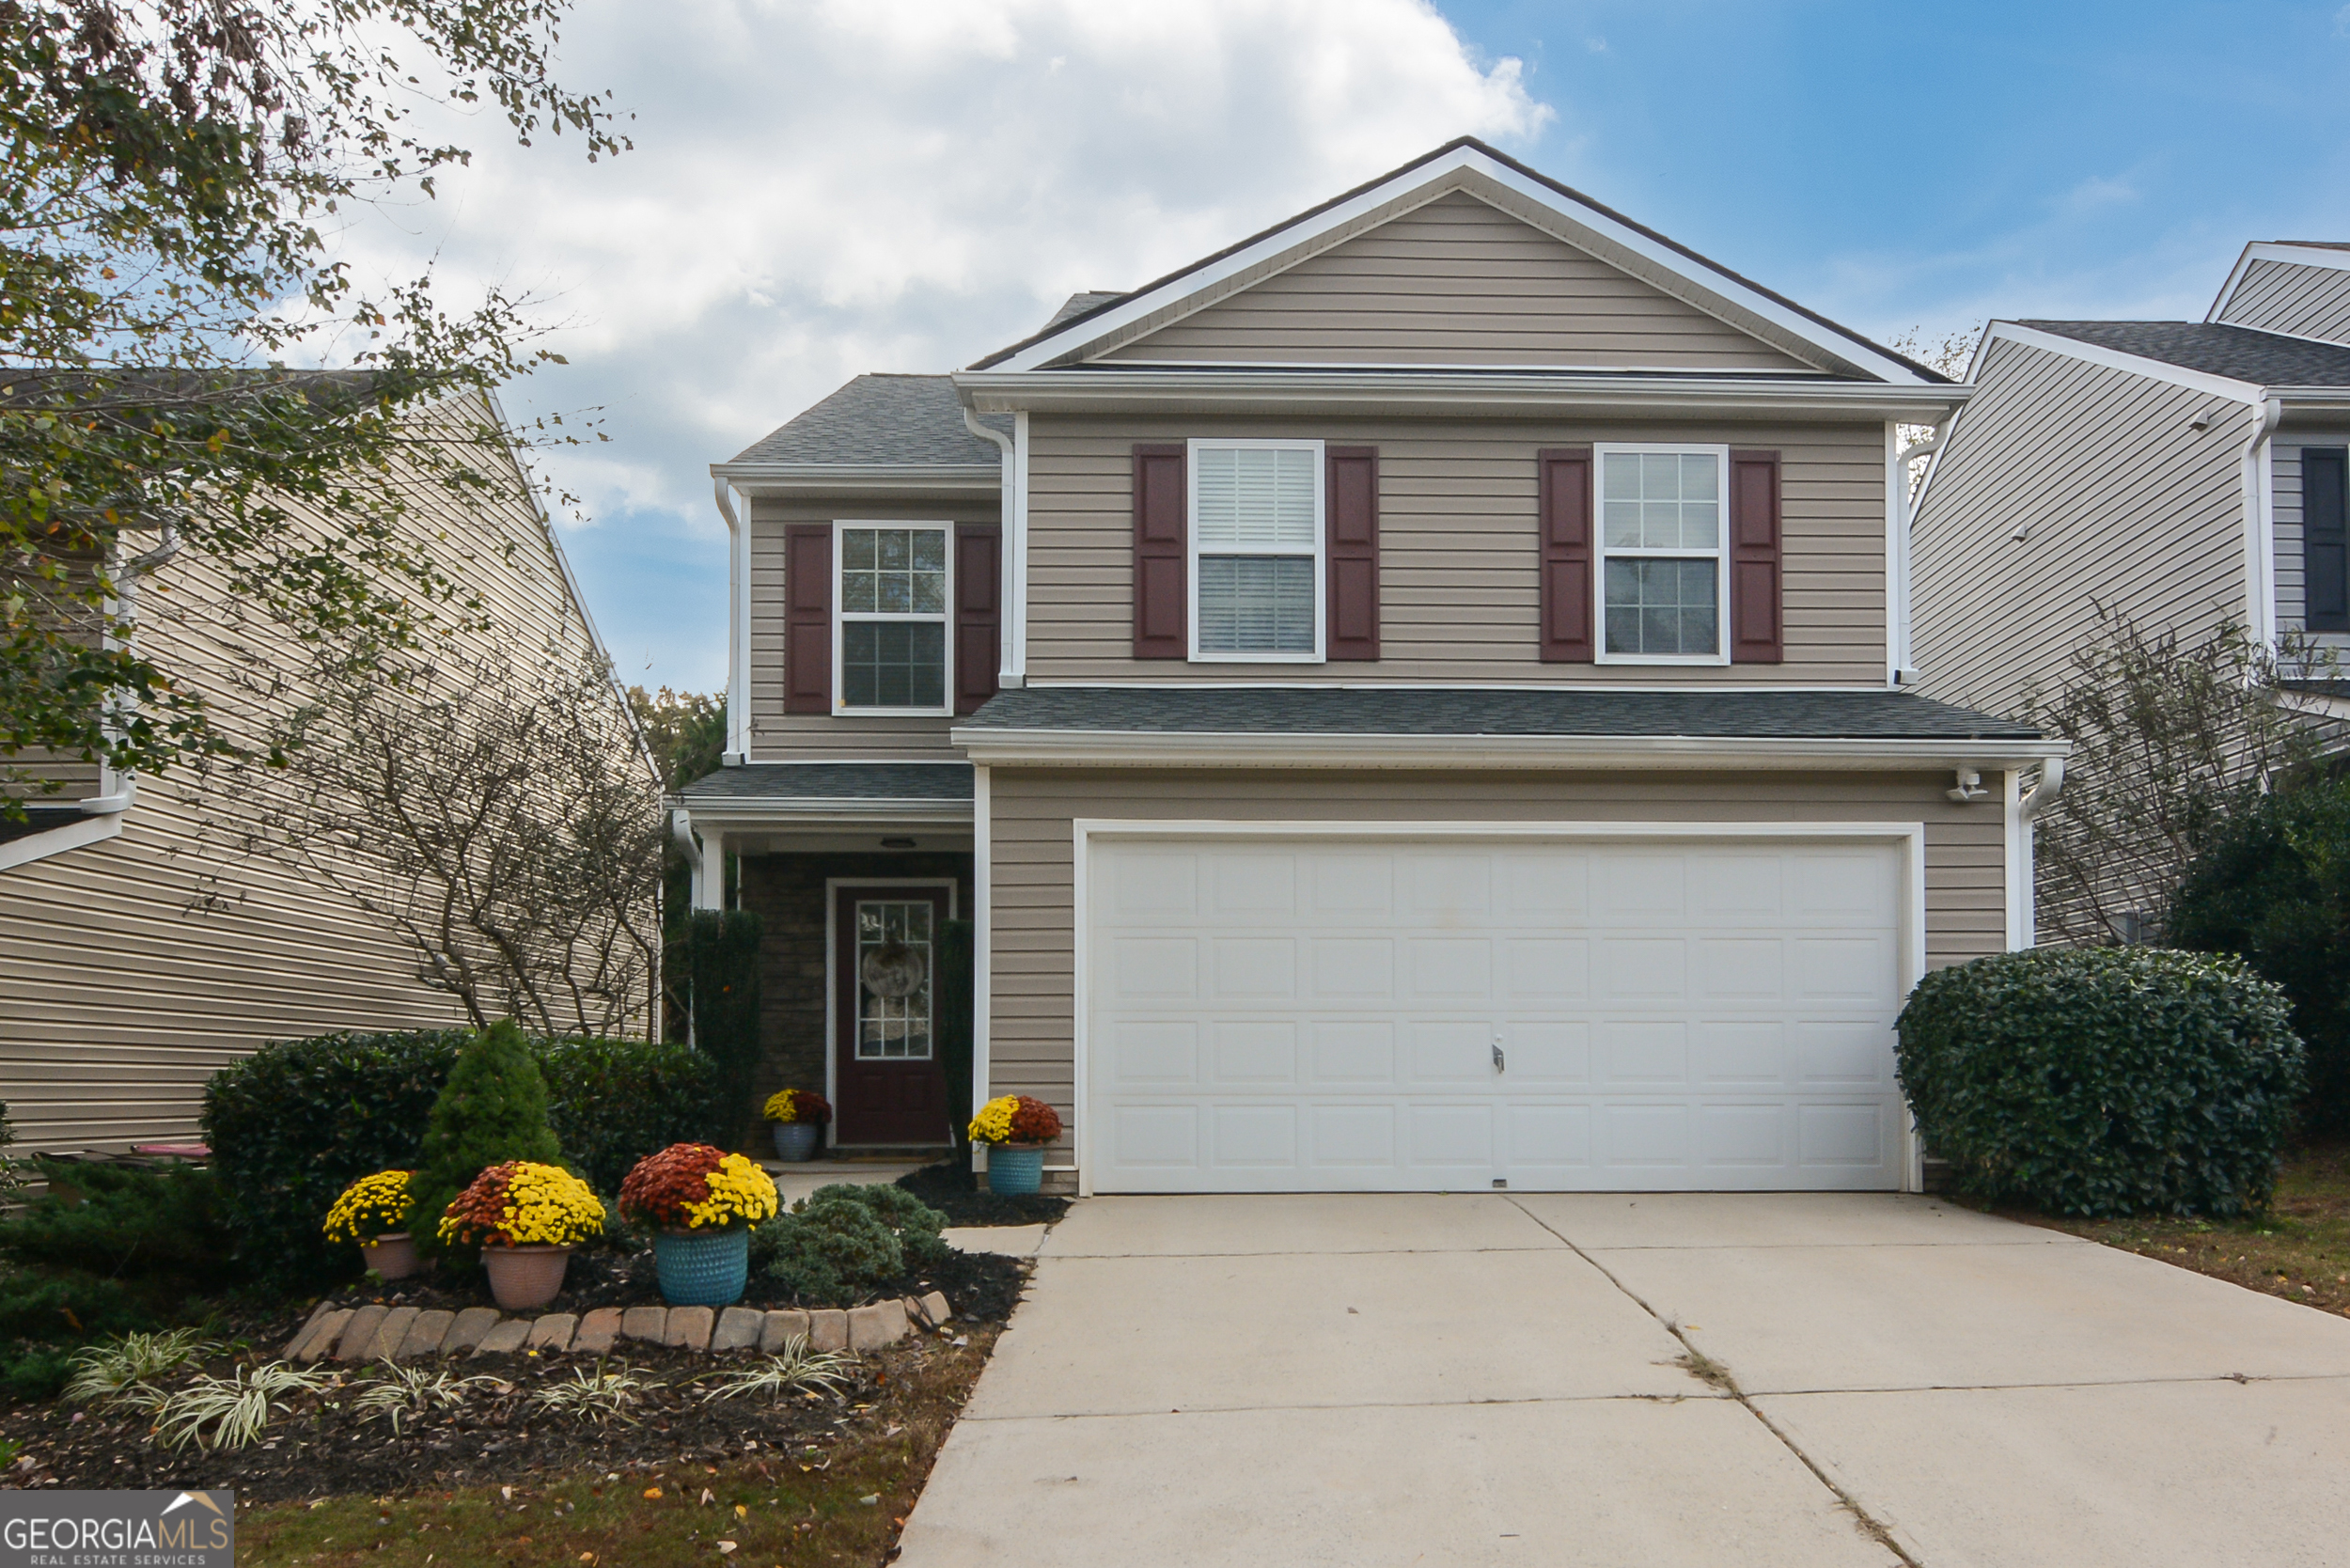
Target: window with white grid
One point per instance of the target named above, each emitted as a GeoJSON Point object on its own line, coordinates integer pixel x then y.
{"type": "Point", "coordinates": [1256, 543]}
{"type": "Point", "coordinates": [1662, 538]}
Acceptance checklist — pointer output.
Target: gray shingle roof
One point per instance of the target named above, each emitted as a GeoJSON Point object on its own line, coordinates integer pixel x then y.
{"type": "Point", "coordinates": [833, 781]}
{"type": "Point", "coordinates": [2243, 353]}
{"type": "Point", "coordinates": [1745, 714]}
{"type": "Point", "coordinates": [882, 419]}
{"type": "Point", "coordinates": [1077, 305]}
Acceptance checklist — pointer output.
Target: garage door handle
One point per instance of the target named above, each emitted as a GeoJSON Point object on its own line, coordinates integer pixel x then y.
{"type": "Point", "coordinates": [1500, 1065]}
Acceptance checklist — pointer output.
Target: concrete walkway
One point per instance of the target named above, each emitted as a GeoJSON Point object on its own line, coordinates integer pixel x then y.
{"type": "Point", "coordinates": [1498, 1379]}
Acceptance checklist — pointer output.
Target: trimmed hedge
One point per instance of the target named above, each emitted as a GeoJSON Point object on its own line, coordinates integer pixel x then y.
{"type": "Point", "coordinates": [298, 1121]}
{"type": "Point", "coordinates": [2100, 1081]}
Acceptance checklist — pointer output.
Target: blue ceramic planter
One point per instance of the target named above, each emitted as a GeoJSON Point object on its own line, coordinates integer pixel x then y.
{"type": "Point", "coordinates": [705, 1270]}
{"type": "Point", "coordinates": [1014, 1172]}
{"type": "Point", "coordinates": [796, 1140]}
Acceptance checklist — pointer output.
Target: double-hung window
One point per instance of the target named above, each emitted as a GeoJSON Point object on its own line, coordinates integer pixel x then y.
{"type": "Point", "coordinates": [1256, 551]}
{"type": "Point", "coordinates": [1664, 581]}
{"type": "Point", "coordinates": [892, 622]}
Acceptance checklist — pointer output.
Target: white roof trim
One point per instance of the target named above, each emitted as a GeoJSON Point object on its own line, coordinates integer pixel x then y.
{"type": "Point", "coordinates": [57, 841]}
{"type": "Point", "coordinates": [2275, 250]}
{"type": "Point", "coordinates": [2116, 359]}
{"type": "Point", "coordinates": [756, 479]}
{"type": "Point", "coordinates": [1176, 748]}
{"type": "Point", "coordinates": [1054, 345]}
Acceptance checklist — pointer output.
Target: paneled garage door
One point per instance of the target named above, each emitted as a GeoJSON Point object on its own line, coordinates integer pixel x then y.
{"type": "Point", "coordinates": [1418, 1013]}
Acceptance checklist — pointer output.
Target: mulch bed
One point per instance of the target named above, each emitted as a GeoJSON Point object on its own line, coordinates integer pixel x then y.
{"type": "Point", "coordinates": [953, 1188]}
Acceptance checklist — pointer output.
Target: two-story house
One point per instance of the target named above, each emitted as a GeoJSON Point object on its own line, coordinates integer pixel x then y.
{"type": "Point", "coordinates": [1409, 701]}
{"type": "Point", "coordinates": [2184, 474]}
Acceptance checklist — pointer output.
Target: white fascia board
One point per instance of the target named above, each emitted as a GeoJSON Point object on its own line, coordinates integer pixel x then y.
{"type": "Point", "coordinates": [2116, 359]}
{"type": "Point", "coordinates": [1160, 748]}
{"type": "Point", "coordinates": [1503, 395]}
{"type": "Point", "coordinates": [2275, 250]}
{"type": "Point", "coordinates": [777, 478]}
{"type": "Point", "coordinates": [1436, 171]}
{"type": "Point", "coordinates": [740, 811]}
{"type": "Point", "coordinates": [57, 841]}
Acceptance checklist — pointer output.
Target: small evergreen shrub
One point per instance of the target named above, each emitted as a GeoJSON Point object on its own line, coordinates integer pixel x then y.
{"type": "Point", "coordinates": [2100, 1081]}
{"type": "Point", "coordinates": [493, 1109]}
{"type": "Point", "coordinates": [39, 1372]}
{"type": "Point", "coordinates": [832, 1253]}
{"type": "Point", "coordinates": [69, 1305]}
{"type": "Point", "coordinates": [914, 1223]}
{"type": "Point", "coordinates": [133, 1223]}
{"type": "Point", "coordinates": [2272, 886]}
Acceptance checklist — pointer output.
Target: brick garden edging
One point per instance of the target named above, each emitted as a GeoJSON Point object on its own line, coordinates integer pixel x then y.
{"type": "Point", "coordinates": [406, 1333]}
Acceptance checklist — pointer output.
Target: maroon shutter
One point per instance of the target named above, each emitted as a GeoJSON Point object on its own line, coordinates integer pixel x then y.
{"type": "Point", "coordinates": [808, 617]}
{"type": "Point", "coordinates": [1162, 592]}
{"type": "Point", "coordinates": [1565, 511]}
{"type": "Point", "coordinates": [978, 621]}
{"type": "Point", "coordinates": [1351, 541]}
{"type": "Point", "coordinates": [1757, 632]}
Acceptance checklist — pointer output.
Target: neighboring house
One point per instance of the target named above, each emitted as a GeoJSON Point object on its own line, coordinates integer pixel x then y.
{"type": "Point", "coordinates": [1409, 702]}
{"type": "Point", "coordinates": [2188, 474]}
{"type": "Point", "coordinates": [143, 943]}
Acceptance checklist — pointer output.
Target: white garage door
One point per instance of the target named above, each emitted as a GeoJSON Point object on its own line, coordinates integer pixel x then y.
{"type": "Point", "coordinates": [1400, 1014]}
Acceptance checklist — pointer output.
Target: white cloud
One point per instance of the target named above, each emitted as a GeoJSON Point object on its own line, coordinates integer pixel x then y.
{"type": "Point", "coordinates": [822, 187]}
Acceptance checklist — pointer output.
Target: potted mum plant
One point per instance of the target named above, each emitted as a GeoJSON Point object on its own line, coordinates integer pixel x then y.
{"type": "Point", "coordinates": [374, 1212]}
{"type": "Point", "coordinates": [525, 1217]}
{"type": "Point", "coordinates": [799, 1116]}
{"type": "Point", "coordinates": [1015, 1128]}
{"type": "Point", "coordinates": [700, 1204]}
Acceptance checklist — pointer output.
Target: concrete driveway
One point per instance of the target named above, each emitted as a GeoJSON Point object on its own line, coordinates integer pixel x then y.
{"type": "Point", "coordinates": [1469, 1380]}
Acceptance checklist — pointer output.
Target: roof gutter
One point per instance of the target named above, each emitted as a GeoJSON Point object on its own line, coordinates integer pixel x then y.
{"type": "Point", "coordinates": [1160, 748]}
{"type": "Point", "coordinates": [1451, 394]}
{"type": "Point", "coordinates": [855, 478]}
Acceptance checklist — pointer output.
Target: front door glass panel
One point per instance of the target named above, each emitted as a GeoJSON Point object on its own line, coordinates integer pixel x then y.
{"type": "Point", "coordinates": [894, 951]}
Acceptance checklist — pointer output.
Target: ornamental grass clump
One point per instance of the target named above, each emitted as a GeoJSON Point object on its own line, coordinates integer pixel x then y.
{"type": "Point", "coordinates": [796, 1104]}
{"type": "Point", "coordinates": [522, 1203]}
{"type": "Point", "coordinates": [373, 1206]}
{"type": "Point", "coordinates": [696, 1187]}
{"type": "Point", "coordinates": [1015, 1119]}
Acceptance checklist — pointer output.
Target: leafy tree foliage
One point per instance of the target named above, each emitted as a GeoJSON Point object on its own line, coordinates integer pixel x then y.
{"type": "Point", "coordinates": [171, 171]}
{"type": "Point", "coordinates": [685, 730]}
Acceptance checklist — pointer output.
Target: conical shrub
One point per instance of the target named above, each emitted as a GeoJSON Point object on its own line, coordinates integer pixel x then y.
{"type": "Point", "coordinates": [493, 1109]}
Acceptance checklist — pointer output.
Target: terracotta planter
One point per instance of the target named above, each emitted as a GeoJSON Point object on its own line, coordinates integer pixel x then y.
{"type": "Point", "coordinates": [1015, 1170]}
{"type": "Point", "coordinates": [797, 1140]}
{"type": "Point", "coordinates": [525, 1278]}
{"type": "Point", "coordinates": [391, 1255]}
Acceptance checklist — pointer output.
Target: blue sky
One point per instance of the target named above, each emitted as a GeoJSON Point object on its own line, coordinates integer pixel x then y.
{"type": "Point", "coordinates": [827, 186]}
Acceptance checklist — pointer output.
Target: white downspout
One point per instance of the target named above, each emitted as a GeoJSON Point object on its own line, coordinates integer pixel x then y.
{"type": "Point", "coordinates": [738, 749]}
{"type": "Point", "coordinates": [682, 831]}
{"type": "Point", "coordinates": [116, 790]}
{"type": "Point", "coordinates": [2024, 860]}
{"type": "Point", "coordinates": [1899, 656]}
{"type": "Point", "coordinates": [1011, 667]}
{"type": "Point", "coordinates": [2260, 574]}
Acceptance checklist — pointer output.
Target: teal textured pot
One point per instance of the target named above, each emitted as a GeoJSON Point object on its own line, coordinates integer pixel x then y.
{"type": "Point", "coordinates": [1015, 1172]}
{"type": "Point", "coordinates": [702, 1270]}
{"type": "Point", "coordinates": [797, 1140]}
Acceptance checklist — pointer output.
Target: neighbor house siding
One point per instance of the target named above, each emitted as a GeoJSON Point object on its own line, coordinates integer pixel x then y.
{"type": "Point", "coordinates": [1031, 838]}
{"type": "Point", "coordinates": [136, 966]}
{"type": "Point", "coordinates": [1458, 555]}
{"type": "Point", "coordinates": [1456, 282]}
{"type": "Point", "coordinates": [778, 736]}
{"type": "Point", "coordinates": [2283, 296]}
{"type": "Point", "coordinates": [2122, 503]}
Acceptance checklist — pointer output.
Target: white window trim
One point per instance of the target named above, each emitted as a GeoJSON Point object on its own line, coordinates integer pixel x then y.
{"type": "Point", "coordinates": [1601, 553]}
{"type": "Point", "coordinates": [840, 619]}
{"type": "Point", "coordinates": [1191, 552]}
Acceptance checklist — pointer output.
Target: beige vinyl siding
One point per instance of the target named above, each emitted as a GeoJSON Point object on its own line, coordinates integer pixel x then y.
{"type": "Point", "coordinates": [132, 968]}
{"type": "Point", "coordinates": [1459, 595]}
{"type": "Point", "coordinates": [2125, 503]}
{"type": "Point", "coordinates": [1456, 282]}
{"type": "Point", "coordinates": [1031, 835]}
{"type": "Point", "coordinates": [780, 737]}
{"type": "Point", "coordinates": [2285, 516]}
{"type": "Point", "coordinates": [2284, 296]}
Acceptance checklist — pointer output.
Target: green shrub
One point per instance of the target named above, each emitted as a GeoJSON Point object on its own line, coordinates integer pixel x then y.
{"type": "Point", "coordinates": [37, 1374]}
{"type": "Point", "coordinates": [12, 1179]}
{"type": "Point", "coordinates": [133, 1222]}
{"type": "Point", "coordinates": [2273, 887]}
{"type": "Point", "coordinates": [493, 1109]}
{"type": "Point", "coordinates": [300, 1120]}
{"type": "Point", "coordinates": [74, 1306]}
{"type": "Point", "coordinates": [721, 959]}
{"type": "Point", "coordinates": [2103, 1080]}
{"type": "Point", "coordinates": [832, 1253]}
{"type": "Point", "coordinates": [914, 1223]}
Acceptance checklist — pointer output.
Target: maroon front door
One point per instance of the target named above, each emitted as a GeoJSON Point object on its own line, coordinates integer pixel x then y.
{"type": "Point", "coordinates": [886, 996]}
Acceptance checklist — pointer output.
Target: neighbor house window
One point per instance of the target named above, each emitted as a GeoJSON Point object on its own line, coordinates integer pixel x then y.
{"type": "Point", "coordinates": [1662, 581]}
{"type": "Point", "coordinates": [893, 617]}
{"type": "Point", "coordinates": [1256, 541]}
